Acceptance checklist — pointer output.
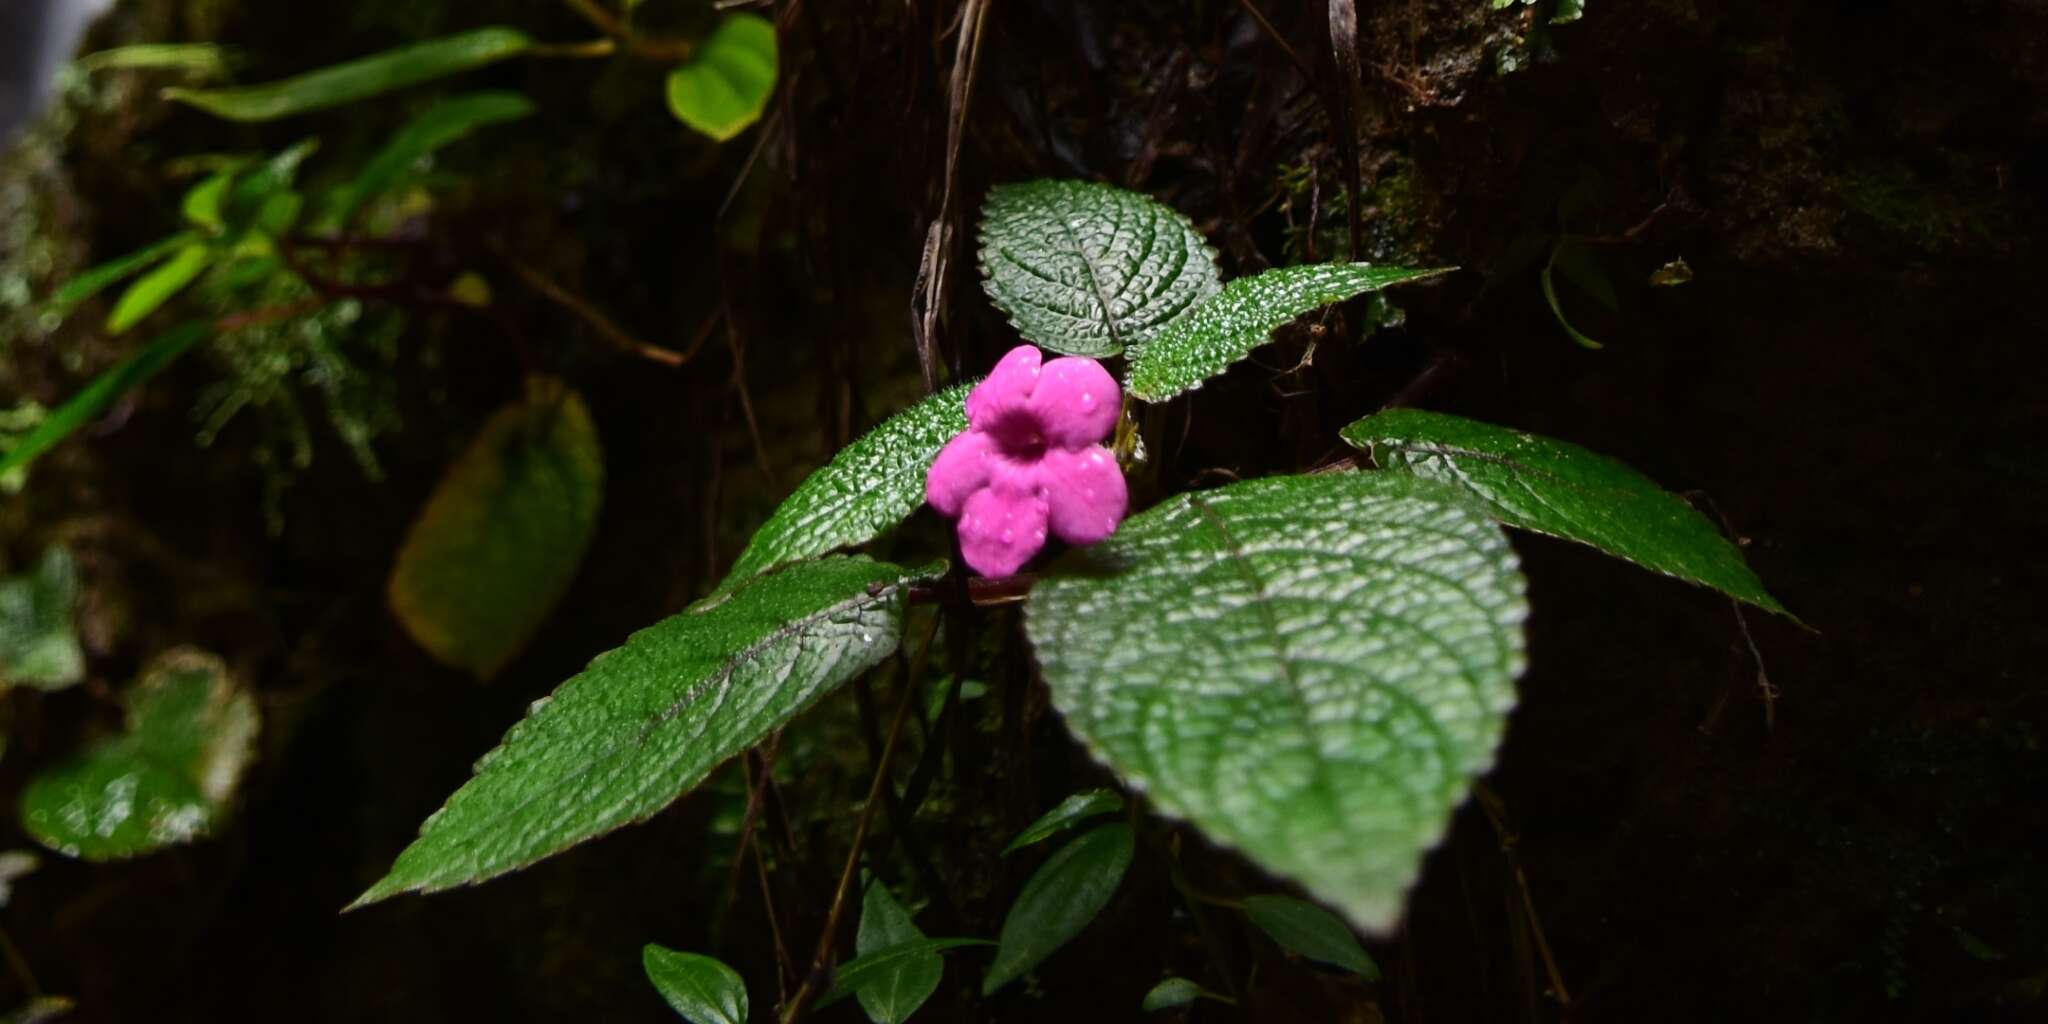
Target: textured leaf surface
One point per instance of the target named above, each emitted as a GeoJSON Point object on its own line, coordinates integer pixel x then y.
{"type": "Point", "coordinates": [1088, 269]}
{"type": "Point", "coordinates": [725, 87]}
{"type": "Point", "coordinates": [1563, 490]}
{"type": "Point", "coordinates": [647, 721]}
{"type": "Point", "coordinates": [1311, 669]}
{"type": "Point", "coordinates": [167, 780]}
{"type": "Point", "coordinates": [1170, 993]}
{"type": "Point", "coordinates": [357, 79]}
{"type": "Point", "coordinates": [498, 542]}
{"type": "Point", "coordinates": [895, 993]}
{"type": "Point", "coordinates": [1312, 932]}
{"type": "Point", "coordinates": [1060, 899]}
{"type": "Point", "coordinates": [701, 989]}
{"type": "Point", "coordinates": [439, 125]}
{"type": "Point", "coordinates": [871, 485]}
{"type": "Point", "coordinates": [1072, 811]}
{"type": "Point", "coordinates": [95, 397]}
{"type": "Point", "coordinates": [1228, 326]}
{"type": "Point", "coordinates": [38, 643]}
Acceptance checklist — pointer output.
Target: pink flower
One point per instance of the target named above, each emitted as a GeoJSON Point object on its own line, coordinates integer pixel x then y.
{"type": "Point", "coordinates": [1031, 459]}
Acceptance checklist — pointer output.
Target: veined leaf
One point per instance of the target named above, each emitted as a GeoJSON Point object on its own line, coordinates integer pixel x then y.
{"type": "Point", "coordinates": [358, 79]}
{"type": "Point", "coordinates": [167, 780]}
{"type": "Point", "coordinates": [102, 392]}
{"type": "Point", "coordinates": [1311, 669]}
{"type": "Point", "coordinates": [1060, 899]}
{"type": "Point", "coordinates": [38, 641]}
{"type": "Point", "coordinates": [1312, 932]}
{"type": "Point", "coordinates": [157, 287]}
{"type": "Point", "coordinates": [96, 280]}
{"type": "Point", "coordinates": [701, 989]}
{"type": "Point", "coordinates": [893, 994]}
{"type": "Point", "coordinates": [862, 970]}
{"type": "Point", "coordinates": [725, 86]}
{"type": "Point", "coordinates": [871, 485]}
{"type": "Point", "coordinates": [1227, 327]}
{"type": "Point", "coordinates": [1090, 270]}
{"type": "Point", "coordinates": [498, 543]}
{"type": "Point", "coordinates": [1072, 811]}
{"type": "Point", "coordinates": [646, 722]}
{"type": "Point", "coordinates": [1562, 490]}
{"type": "Point", "coordinates": [437, 126]}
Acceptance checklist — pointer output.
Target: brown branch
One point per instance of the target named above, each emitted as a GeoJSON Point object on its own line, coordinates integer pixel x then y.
{"type": "Point", "coordinates": [610, 331]}
{"type": "Point", "coordinates": [665, 50]}
{"type": "Point", "coordinates": [1278, 39]}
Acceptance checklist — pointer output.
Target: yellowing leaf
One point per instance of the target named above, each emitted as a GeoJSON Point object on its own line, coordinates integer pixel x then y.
{"type": "Point", "coordinates": [726, 86]}
{"type": "Point", "coordinates": [498, 543]}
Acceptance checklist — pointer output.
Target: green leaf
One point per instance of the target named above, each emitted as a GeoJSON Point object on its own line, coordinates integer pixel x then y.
{"type": "Point", "coordinates": [646, 722]}
{"type": "Point", "coordinates": [871, 485]}
{"type": "Point", "coordinates": [861, 971]}
{"type": "Point", "coordinates": [1229, 325]}
{"type": "Point", "coordinates": [1548, 280]}
{"type": "Point", "coordinates": [358, 79]}
{"type": "Point", "coordinates": [1312, 932]}
{"type": "Point", "coordinates": [1060, 899]}
{"type": "Point", "coordinates": [1170, 993]}
{"type": "Point", "coordinates": [1311, 669]}
{"type": "Point", "coordinates": [1090, 270]}
{"type": "Point", "coordinates": [1072, 811]}
{"type": "Point", "coordinates": [252, 203]}
{"type": "Point", "coordinates": [1562, 490]}
{"type": "Point", "coordinates": [201, 205]}
{"type": "Point", "coordinates": [157, 287]}
{"type": "Point", "coordinates": [200, 60]}
{"type": "Point", "coordinates": [701, 989]}
{"type": "Point", "coordinates": [498, 543]}
{"type": "Point", "coordinates": [96, 280]}
{"type": "Point", "coordinates": [439, 125]}
{"type": "Point", "coordinates": [168, 780]}
{"type": "Point", "coordinates": [38, 643]}
{"type": "Point", "coordinates": [893, 994]}
{"type": "Point", "coordinates": [103, 391]}
{"type": "Point", "coordinates": [725, 87]}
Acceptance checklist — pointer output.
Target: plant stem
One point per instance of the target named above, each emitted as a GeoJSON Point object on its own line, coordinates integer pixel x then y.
{"type": "Point", "coordinates": [794, 1009]}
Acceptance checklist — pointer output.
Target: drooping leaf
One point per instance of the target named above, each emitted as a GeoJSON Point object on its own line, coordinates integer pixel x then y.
{"type": "Point", "coordinates": [38, 642]}
{"type": "Point", "coordinates": [1091, 270]}
{"type": "Point", "coordinates": [646, 722]}
{"type": "Point", "coordinates": [201, 61]}
{"type": "Point", "coordinates": [1229, 325]}
{"type": "Point", "coordinates": [871, 485]}
{"type": "Point", "coordinates": [1060, 899]}
{"type": "Point", "coordinates": [1071, 812]}
{"type": "Point", "coordinates": [1170, 993]}
{"type": "Point", "coordinates": [862, 970]}
{"type": "Point", "coordinates": [103, 391]}
{"type": "Point", "coordinates": [499, 541]}
{"type": "Point", "coordinates": [725, 86]}
{"type": "Point", "coordinates": [95, 280]}
{"type": "Point", "coordinates": [701, 989]}
{"type": "Point", "coordinates": [1548, 279]}
{"type": "Point", "coordinates": [1562, 490]}
{"type": "Point", "coordinates": [443, 123]}
{"type": "Point", "coordinates": [1311, 669]}
{"type": "Point", "coordinates": [168, 779]}
{"type": "Point", "coordinates": [1310, 931]}
{"type": "Point", "coordinates": [358, 79]}
{"type": "Point", "coordinates": [893, 994]}
{"type": "Point", "coordinates": [157, 287]}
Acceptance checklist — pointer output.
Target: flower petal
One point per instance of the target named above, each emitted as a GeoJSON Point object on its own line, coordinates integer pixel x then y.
{"type": "Point", "coordinates": [1077, 401]}
{"type": "Point", "coordinates": [1000, 529]}
{"type": "Point", "coordinates": [1084, 493]}
{"type": "Point", "coordinates": [1007, 388]}
{"type": "Point", "coordinates": [961, 468]}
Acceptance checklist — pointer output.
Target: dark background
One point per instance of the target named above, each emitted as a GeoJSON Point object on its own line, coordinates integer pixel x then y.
{"type": "Point", "coordinates": [1852, 379]}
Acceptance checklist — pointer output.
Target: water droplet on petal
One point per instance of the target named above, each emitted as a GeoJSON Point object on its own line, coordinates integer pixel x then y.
{"type": "Point", "coordinates": [1009, 536]}
{"type": "Point", "coordinates": [1088, 493]}
{"type": "Point", "coordinates": [1087, 400]}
